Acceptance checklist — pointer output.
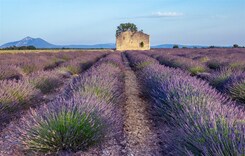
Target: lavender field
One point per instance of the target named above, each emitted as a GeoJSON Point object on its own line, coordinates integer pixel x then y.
{"type": "Point", "coordinates": [158, 102]}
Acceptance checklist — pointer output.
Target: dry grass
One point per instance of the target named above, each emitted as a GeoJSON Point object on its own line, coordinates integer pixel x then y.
{"type": "Point", "coordinates": [52, 50]}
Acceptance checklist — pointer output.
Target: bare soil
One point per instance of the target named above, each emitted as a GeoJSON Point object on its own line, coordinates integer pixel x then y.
{"type": "Point", "coordinates": [140, 131]}
{"type": "Point", "coordinates": [139, 136]}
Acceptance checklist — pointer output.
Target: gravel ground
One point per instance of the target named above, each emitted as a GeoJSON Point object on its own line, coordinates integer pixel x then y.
{"type": "Point", "coordinates": [140, 131]}
{"type": "Point", "coordinates": [139, 136]}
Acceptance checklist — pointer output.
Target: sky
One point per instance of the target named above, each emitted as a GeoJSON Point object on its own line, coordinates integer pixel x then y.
{"type": "Point", "coordinates": [63, 22]}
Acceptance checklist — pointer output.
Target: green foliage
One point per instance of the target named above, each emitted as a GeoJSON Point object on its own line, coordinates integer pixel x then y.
{"type": "Point", "coordinates": [235, 46]}
{"type": "Point", "coordinates": [204, 59]}
{"type": "Point", "coordinates": [45, 81]}
{"type": "Point", "coordinates": [14, 95]}
{"type": "Point", "coordinates": [196, 70]}
{"type": "Point", "coordinates": [175, 46]}
{"type": "Point", "coordinates": [237, 65]}
{"type": "Point", "coordinates": [237, 91]}
{"type": "Point", "coordinates": [48, 85]}
{"type": "Point", "coordinates": [142, 65]}
{"type": "Point", "coordinates": [214, 64]}
{"type": "Point", "coordinates": [125, 27]}
{"type": "Point", "coordinates": [219, 79]}
{"type": "Point", "coordinates": [21, 48]}
{"type": "Point", "coordinates": [16, 92]}
{"type": "Point", "coordinates": [99, 92]}
{"type": "Point", "coordinates": [28, 68]}
{"type": "Point", "coordinates": [66, 130]}
{"type": "Point", "coordinates": [53, 64]}
{"type": "Point", "coordinates": [73, 69]}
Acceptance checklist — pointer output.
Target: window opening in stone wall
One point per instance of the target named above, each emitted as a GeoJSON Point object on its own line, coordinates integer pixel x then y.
{"type": "Point", "coordinates": [141, 44]}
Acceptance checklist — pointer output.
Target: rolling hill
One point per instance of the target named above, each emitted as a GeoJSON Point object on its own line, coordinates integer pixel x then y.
{"type": "Point", "coordinates": [40, 43]}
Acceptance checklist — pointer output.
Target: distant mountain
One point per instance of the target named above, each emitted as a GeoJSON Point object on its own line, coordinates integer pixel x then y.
{"type": "Point", "coordinates": [40, 43]}
{"type": "Point", "coordinates": [28, 41]}
{"type": "Point", "coordinates": [180, 46]}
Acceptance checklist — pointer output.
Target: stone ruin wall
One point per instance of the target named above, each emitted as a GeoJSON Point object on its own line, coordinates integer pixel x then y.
{"type": "Point", "coordinates": [132, 41]}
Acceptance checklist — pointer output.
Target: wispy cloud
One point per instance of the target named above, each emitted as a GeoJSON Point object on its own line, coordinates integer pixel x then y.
{"type": "Point", "coordinates": [156, 15]}
{"type": "Point", "coordinates": [161, 15]}
{"type": "Point", "coordinates": [166, 14]}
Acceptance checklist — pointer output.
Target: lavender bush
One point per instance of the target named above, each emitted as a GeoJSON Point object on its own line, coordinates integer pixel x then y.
{"type": "Point", "coordinates": [235, 86]}
{"type": "Point", "coordinates": [55, 62]}
{"type": "Point", "coordinates": [46, 81]}
{"type": "Point", "coordinates": [9, 72]}
{"type": "Point", "coordinates": [220, 77]}
{"type": "Point", "coordinates": [71, 125]}
{"type": "Point", "coordinates": [141, 61]}
{"type": "Point", "coordinates": [95, 82]}
{"type": "Point", "coordinates": [214, 59]}
{"type": "Point", "coordinates": [114, 59]}
{"type": "Point", "coordinates": [73, 68]}
{"type": "Point", "coordinates": [225, 69]}
{"type": "Point", "coordinates": [20, 92]}
{"type": "Point", "coordinates": [76, 66]}
{"type": "Point", "coordinates": [83, 116]}
{"type": "Point", "coordinates": [215, 64]}
{"type": "Point", "coordinates": [238, 65]}
{"type": "Point", "coordinates": [31, 67]}
{"type": "Point", "coordinates": [33, 62]}
{"type": "Point", "coordinates": [202, 121]}
{"type": "Point", "coordinates": [190, 65]}
{"type": "Point", "coordinates": [202, 59]}
{"type": "Point", "coordinates": [15, 95]}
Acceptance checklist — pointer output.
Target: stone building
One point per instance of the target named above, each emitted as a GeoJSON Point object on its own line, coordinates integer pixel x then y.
{"type": "Point", "coordinates": [129, 40]}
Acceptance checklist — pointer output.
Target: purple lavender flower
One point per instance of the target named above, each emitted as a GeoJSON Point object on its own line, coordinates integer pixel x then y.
{"type": "Point", "coordinates": [69, 125]}
{"type": "Point", "coordinates": [9, 72]}
{"type": "Point", "coordinates": [201, 120]}
{"type": "Point", "coordinates": [46, 81]}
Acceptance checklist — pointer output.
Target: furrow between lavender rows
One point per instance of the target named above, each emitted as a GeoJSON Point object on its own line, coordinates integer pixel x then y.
{"type": "Point", "coordinates": [85, 114]}
{"type": "Point", "coordinates": [18, 94]}
{"type": "Point", "coordinates": [227, 77]}
{"type": "Point", "coordinates": [201, 120]}
{"type": "Point", "coordinates": [141, 134]}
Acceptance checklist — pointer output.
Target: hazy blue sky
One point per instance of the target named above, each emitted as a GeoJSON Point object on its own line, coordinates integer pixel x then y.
{"type": "Point", "coordinates": [206, 22]}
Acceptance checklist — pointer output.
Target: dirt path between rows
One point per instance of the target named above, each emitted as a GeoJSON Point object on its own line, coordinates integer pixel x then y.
{"type": "Point", "coordinates": [140, 133]}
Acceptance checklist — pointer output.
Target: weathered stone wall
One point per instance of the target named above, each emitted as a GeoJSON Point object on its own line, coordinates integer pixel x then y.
{"type": "Point", "coordinates": [133, 41]}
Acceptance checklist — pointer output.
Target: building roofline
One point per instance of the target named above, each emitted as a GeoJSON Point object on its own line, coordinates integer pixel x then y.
{"type": "Point", "coordinates": [132, 32]}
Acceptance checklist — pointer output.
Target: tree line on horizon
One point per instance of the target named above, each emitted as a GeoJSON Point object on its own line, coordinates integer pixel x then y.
{"type": "Point", "coordinates": [20, 48]}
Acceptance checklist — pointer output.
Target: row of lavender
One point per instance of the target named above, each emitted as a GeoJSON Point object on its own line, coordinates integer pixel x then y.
{"type": "Point", "coordinates": [16, 66]}
{"type": "Point", "coordinates": [20, 93]}
{"type": "Point", "coordinates": [226, 76]}
{"type": "Point", "coordinates": [85, 114]}
{"type": "Point", "coordinates": [211, 58]}
{"type": "Point", "coordinates": [201, 121]}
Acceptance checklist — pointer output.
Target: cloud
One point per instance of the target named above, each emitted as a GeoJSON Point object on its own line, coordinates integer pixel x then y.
{"type": "Point", "coordinates": [166, 14]}
{"type": "Point", "coordinates": [162, 15]}
{"type": "Point", "coordinates": [158, 15]}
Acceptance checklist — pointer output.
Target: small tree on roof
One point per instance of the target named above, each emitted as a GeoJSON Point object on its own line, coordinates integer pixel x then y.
{"type": "Point", "coordinates": [125, 27]}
